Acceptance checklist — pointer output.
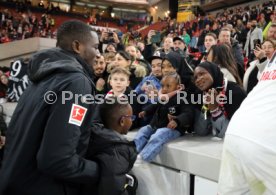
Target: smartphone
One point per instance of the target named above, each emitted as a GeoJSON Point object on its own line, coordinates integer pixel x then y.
{"type": "Point", "coordinates": [257, 43]}
{"type": "Point", "coordinates": [150, 85]}
{"type": "Point", "coordinates": [156, 38]}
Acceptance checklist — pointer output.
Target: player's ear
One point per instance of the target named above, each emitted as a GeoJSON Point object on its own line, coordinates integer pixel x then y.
{"type": "Point", "coordinates": [122, 121]}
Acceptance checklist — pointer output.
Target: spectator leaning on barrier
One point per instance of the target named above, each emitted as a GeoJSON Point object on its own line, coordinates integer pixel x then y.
{"type": "Point", "coordinates": [209, 79]}
{"type": "Point", "coordinates": [49, 158]}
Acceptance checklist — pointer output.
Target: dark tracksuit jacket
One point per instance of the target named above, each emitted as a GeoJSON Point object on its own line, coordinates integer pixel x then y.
{"type": "Point", "coordinates": [44, 151]}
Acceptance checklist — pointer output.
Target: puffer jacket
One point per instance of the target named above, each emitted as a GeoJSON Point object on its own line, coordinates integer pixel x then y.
{"type": "Point", "coordinates": [115, 155]}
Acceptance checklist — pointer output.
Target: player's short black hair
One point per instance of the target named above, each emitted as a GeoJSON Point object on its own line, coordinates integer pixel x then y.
{"type": "Point", "coordinates": [72, 30]}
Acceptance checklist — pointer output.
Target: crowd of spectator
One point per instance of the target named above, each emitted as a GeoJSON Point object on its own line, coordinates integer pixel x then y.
{"type": "Point", "coordinates": [211, 56]}
{"type": "Point", "coordinates": [22, 25]}
{"type": "Point", "coordinates": [247, 26]}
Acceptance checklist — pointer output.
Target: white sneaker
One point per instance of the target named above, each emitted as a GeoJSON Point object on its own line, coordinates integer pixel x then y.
{"type": "Point", "coordinates": [139, 161]}
{"type": "Point", "coordinates": [216, 139]}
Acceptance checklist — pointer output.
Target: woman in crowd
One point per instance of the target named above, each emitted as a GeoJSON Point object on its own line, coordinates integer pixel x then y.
{"type": "Point", "coordinates": [221, 55]}
{"type": "Point", "coordinates": [210, 80]}
{"type": "Point", "coordinates": [210, 40]}
{"type": "Point", "coordinates": [263, 55]}
{"type": "Point", "coordinates": [138, 72]}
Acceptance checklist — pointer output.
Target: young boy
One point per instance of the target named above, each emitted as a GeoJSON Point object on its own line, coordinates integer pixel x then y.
{"type": "Point", "coordinates": [111, 150]}
{"type": "Point", "coordinates": [119, 82]}
{"type": "Point", "coordinates": [170, 121]}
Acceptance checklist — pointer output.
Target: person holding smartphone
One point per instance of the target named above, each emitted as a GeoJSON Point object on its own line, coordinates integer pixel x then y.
{"type": "Point", "coordinates": [263, 54]}
{"type": "Point", "coordinates": [108, 38]}
{"type": "Point", "coordinates": [254, 36]}
{"type": "Point", "coordinates": [151, 84]}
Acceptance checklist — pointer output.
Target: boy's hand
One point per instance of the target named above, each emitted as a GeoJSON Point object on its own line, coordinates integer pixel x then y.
{"type": "Point", "coordinates": [142, 114]}
{"type": "Point", "coordinates": [172, 124]}
{"type": "Point", "coordinates": [171, 117]}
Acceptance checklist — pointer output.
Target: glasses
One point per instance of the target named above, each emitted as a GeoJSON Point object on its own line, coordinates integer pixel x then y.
{"type": "Point", "coordinates": [132, 117]}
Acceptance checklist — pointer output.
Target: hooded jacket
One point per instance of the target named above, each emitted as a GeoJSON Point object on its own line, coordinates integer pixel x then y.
{"type": "Point", "coordinates": [234, 95]}
{"type": "Point", "coordinates": [115, 155]}
{"type": "Point", "coordinates": [46, 142]}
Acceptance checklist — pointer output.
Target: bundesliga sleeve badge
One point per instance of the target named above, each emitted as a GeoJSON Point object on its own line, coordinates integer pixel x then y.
{"type": "Point", "coordinates": [77, 114]}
